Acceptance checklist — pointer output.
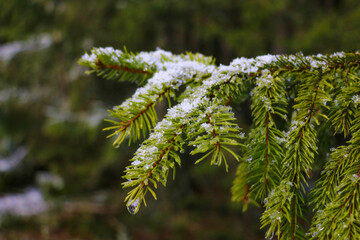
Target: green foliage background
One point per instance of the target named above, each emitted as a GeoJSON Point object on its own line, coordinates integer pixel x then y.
{"type": "Point", "coordinates": [49, 106]}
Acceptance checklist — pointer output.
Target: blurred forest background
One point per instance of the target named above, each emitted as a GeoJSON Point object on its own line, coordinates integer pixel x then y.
{"type": "Point", "coordinates": [60, 178]}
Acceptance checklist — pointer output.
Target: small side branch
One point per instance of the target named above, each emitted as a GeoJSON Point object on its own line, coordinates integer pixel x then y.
{"type": "Point", "coordinates": [100, 65]}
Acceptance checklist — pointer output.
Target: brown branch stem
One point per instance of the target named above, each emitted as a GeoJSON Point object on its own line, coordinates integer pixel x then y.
{"type": "Point", "coordinates": [128, 123]}
{"type": "Point", "coordinates": [162, 154]}
{"type": "Point", "coordinates": [100, 65]}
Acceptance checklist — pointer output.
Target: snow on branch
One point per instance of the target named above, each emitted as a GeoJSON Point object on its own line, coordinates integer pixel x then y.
{"type": "Point", "coordinates": [291, 96]}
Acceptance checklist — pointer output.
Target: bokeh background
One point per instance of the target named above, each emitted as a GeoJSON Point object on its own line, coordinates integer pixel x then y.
{"type": "Point", "coordinates": [60, 178]}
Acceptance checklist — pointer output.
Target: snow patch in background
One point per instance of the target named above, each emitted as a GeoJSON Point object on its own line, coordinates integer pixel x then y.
{"type": "Point", "coordinates": [10, 162]}
{"type": "Point", "coordinates": [29, 203]}
{"type": "Point", "coordinates": [9, 50]}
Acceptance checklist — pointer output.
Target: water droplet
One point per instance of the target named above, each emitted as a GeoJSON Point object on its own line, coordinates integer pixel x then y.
{"type": "Point", "coordinates": [133, 208]}
{"type": "Point", "coordinates": [271, 237]}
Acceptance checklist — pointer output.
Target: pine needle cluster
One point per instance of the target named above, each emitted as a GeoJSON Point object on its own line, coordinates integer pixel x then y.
{"type": "Point", "coordinates": [293, 97]}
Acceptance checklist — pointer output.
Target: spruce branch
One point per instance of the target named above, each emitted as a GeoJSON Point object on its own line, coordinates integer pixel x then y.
{"type": "Point", "coordinates": [213, 132]}
{"type": "Point", "coordinates": [340, 218]}
{"type": "Point", "coordinates": [288, 92]}
{"type": "Point", "coordinates": [120, 65]}
{"type": "Point", "coordinates": [115, 64]}
{"type": "Point", "coordinates": [339, 214]}
{"type": "Point", "coordinates": [301, 150]}
{"type": "Point", "coordinates": [324, 191]}
{"type": "Point", "coordinates": [151, 163]}
{"type": "Point", "coordinates": [137, 114]}
{"type": "Point", "coordinates": [343, 111]}
{"type": "Point", "coordinates": [266, 140]}
{"type": "Point", "coordinates": [155, 153]}
{"type": "Point", "coordinates": [240, 188]}
{"type": "Point", "coordinates": [343, 116]}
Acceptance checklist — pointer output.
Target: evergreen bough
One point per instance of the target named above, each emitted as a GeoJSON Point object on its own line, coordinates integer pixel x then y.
{"type": "Point", "coordinates": [294, 100]}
